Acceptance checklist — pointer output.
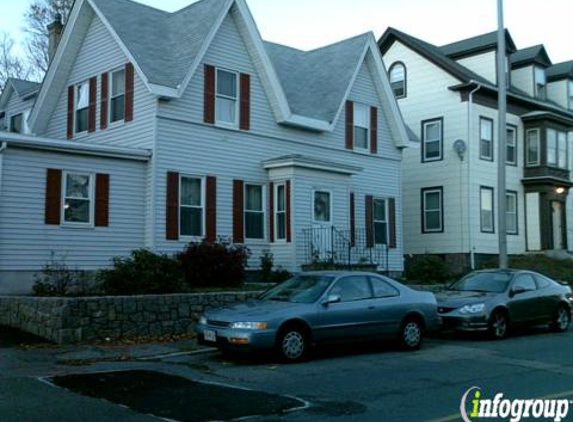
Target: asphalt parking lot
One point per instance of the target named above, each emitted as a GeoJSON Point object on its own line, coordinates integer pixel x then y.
{"type": "Point", "coordinates": [366, 383]}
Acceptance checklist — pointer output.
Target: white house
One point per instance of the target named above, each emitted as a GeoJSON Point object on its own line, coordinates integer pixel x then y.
{"type": "Point", "coordinates": [154, 129]}
{"type": "Point", "coordinates": [449, 94]}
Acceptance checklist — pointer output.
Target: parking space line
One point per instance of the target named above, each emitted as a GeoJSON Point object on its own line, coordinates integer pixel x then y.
{"type": "Point", "coordinates": [457, 416]}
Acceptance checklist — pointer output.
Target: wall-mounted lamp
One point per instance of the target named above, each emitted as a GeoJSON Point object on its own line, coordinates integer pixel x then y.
{"type": "Point", "coordinates": [460, 148]}
{"type": "Point", "coordinates": [560, 190]}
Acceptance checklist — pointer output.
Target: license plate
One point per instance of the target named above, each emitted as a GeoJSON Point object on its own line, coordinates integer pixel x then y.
{"type": "Point", "coordinates": [210, 335]}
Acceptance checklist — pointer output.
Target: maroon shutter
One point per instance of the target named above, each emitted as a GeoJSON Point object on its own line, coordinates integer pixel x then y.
{"type": "Point", "coordinates": [245, 118]}
{"type": "Point", "coordinates": [104, 101]}
{"type": "Point", "coordinates": [211, 209]}
{"type": "Point", "coordinates": [209, 95]}
{"type": "Point", "coordinates": [53, 196]}
{"type": "Point", "coordinates": [71, 107]}
{"type": "Point", "coordinates": [373, 130]}
{"type": "Point", "coordinates": [92, 105]}
{"type": "Point", "coordinates": [172, 212]}
{"type": "Point", "coordinates": [369, 203]}
{"type": "Point", "coordinates": [271, 212]}
{"type": "Point", "coordinates": [129, 90]}
{"type": "Point", "coordinates": [349, 125]}
{"type": "Point", "coordinates": [392, 223]}
{"type": "Point", "coordinates": [288, 212]}
{"type": "Point", "coordinates": [352, 220]}
{"type": "Point", "coordinates": [238, 214]}
{"type": "Point", "coordinates": [102, 200]}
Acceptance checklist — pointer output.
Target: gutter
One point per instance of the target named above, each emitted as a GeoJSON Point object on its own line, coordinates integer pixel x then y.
{"type": "Point", "coordinates": [469, 179]}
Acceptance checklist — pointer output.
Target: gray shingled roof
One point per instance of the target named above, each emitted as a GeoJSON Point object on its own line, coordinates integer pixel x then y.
{"type": "Point", "coordinates": [24, 88]}
{"type": "Point", "coordinates": [163, 44]}
{"type": "Point", "coordinates": [476, 44]}
{"type": "Point", "coordinates": [560, 71]}
{"type": "Point", "coordinates": [315, 81]}
{"type": "Point", "coordinates": [535, 54]}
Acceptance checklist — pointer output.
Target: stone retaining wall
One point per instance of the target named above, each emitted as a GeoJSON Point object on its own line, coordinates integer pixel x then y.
{"type": "Point", "coordinates": [72, 320]}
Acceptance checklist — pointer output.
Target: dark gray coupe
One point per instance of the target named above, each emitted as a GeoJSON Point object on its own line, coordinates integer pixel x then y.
{"type": "Point", "coordinates": [494, 300]}
{"type": "Point", "coordinates": [322, 307]}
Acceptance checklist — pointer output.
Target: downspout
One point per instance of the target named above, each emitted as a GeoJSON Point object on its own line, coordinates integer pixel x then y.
{"type": "Point", "coordinates": [469, 180]}
{"type": "Point", "coordinates": [3, 147]}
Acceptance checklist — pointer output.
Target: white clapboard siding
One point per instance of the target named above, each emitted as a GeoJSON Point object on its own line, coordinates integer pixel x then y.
{"type": "Point", "coordinates": [523, 79]}
{"type": "Point", "coordinates": [482, 64]}
{"type": "Point", "coordinates": [15, 106]}
{"type": "Point", "coordinates": [100, 53]}
{"type": "Point", "coordinates": [26, 243]}
{"type": "Point", "coordinates": [557, 92]}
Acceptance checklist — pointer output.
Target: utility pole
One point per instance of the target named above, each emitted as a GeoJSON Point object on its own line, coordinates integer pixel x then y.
{"type": "Point", "coordinates": [502, 69]}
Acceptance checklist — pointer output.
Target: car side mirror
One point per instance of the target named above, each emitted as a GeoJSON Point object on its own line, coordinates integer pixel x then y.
{"type": "Point", "coordinates": [331, 299]}
{"type": "Point", "coordinates": [517, 291]}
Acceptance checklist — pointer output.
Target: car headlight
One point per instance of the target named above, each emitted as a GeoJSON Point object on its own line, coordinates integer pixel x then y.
{"type": "Point", "coordinates": [473, 309]}
{"type": "Point", "coordinates": [249, 325]}
{"type": "Point", "coordinates": [203, 320]}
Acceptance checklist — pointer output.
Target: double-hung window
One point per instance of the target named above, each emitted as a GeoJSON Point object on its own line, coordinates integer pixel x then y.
{"type": "Point", "coordinates": [280, 212]}
{"type": "Point", "coordinates": [82, 106]}
{"type": "Point", "coordinates": [227, 98]}
{"type": "Point", "coordinates": [432, 210]}
{"type": "Point", "coordinates": [533, 147]}
{"type": "Point", "coordinates": [552, 147]}
{"type": "Point", "coordinates": [511, 212]}
{"type": "Point", "coordinates": [192, 206]}
{"type": "Point", "coordinates": [398, 79]}
{"type": "Point", "coordinates": [486, 139]}
{"type": "Point", "coordinates": [78, 193]}
{"type": "Point", "coordinates": [432, 140]}
{"type": "Point", "coordinates": [540, 83]}
{"type": "Point", "coordinates": [562, 150]}
{"type": "Point", "coordinates": [486, 210]}
{"type": "Point", "coordinates": [511, 145]}
{"type": "Point", "coordinates": [570, 95]}
{"type": "Point", "coordinates": [380, 214]}
{"type": "Point", "coordinates": [361, 126]}
{"type": "Point", "coordinates": [254, 212]}
{"type": "Point", "coordinates": [117, 96]}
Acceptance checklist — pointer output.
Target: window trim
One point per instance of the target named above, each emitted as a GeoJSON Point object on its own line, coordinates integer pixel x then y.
{"type": "Point", "coordinates": [111, 98]}
{"type": "Point", "coordinates": [330, 222]}
{"type": "Point", "coordinates": [237, 99]}
{"type": "Point", "coordinates": [203, 206]}
{"type": "Point", "coordinates": [527, 162]}
{"type": "Point", "coordinates": [516, 131]}
{"type": "Point", "coordinates": [514, 194]}
{"type": "Point", "coordinates": [492, 192]}
{"type": "Point", "coordinates": [424, 123]}
{"type": "Point", "coordinates": [481, 140]}
{"type": "Point", "coordinates": [358, 105]}
{"type": "Point", "coordinates": [387, 222]}
{"type": "Point", "coordinates": [276, 212]}
{"type": "Point", "coordinates": [424, 192]}
{"type": "Point", "coordinates": [404, 81]}
{"type": "Point", "coordinates": [76, 110]}
{"type": "Point", "coordinates": [91, 199]}
{"type": "Point", "coordinates": [262, 211]}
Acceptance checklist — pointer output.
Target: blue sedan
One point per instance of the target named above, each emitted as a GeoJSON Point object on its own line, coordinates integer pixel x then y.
{"type": "Point", "coordinates": [319, 307]}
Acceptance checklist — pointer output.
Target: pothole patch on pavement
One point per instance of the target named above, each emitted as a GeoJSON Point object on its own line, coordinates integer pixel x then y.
{"type": "Point", "coordinates": [177, 398]}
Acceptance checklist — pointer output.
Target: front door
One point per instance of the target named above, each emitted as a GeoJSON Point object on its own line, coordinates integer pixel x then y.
{"type": "Point", "coordinates": [323, 248]}
{"type": "Point", "coordinates": [557, 220]}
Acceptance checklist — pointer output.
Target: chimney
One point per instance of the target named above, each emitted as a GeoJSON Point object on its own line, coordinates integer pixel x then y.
{"type": "Point", "coordinates": [55, 35]}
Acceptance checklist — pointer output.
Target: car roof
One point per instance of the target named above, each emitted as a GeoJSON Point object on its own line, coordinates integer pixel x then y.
{"type": "Point", "coordinates": [337, 273]}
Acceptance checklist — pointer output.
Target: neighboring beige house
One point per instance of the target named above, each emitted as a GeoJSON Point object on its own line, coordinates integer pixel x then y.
{"type": "Point", "coordinates": [448, 95]}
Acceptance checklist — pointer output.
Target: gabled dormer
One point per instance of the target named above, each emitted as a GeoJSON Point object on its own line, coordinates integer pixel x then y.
{"type": "Point", "coordinates": [479, 54]}
{"type": "Point", "coordinates": [560, 84]}
{"type": "Point", "coordinates": [528, 71]}
{"type": "Point", "coordinates": [16, 103]}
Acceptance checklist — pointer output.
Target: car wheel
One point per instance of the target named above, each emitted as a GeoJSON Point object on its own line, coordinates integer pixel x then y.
{"type": "Point", "coordinates": [293, 344]}
{"type": "Point", "coordinates": [561, 320]}
{"type": "Point", "coordinates": [411, 334]}
{"type": "Point", "coordinates": [498, 325]}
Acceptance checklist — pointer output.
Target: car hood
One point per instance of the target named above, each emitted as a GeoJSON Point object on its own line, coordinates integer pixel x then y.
{"type": "Point", "coordinates": [256, 310]}
{"type": "Point", "coordinates": [456, 299]}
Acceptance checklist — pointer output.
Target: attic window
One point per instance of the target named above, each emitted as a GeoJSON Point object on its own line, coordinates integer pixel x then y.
{"type": "Point", "coordinates": [82, 106]}
{"type": "Point", "coordinates": [226, 103]}
{"type": "Point", "coordinates": [16, 123]}
{"type": "Point", "coordinates": [570, 95]}
{"type": "Point", "coordinates": [398, 79]}
{"type": "Point", "coordinates": [540, 84]}
{"type": "Point", "coordinates": [361, 126]}
{"type": "Point", "coordinates": [117, 96]}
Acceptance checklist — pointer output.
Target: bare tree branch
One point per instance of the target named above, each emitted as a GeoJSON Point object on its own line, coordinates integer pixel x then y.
{"type": "Point", "coordinates": [11, 66]}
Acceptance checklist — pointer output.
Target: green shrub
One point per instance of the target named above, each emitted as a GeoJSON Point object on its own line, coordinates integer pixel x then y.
{"type": "Point", "coordinates": [279, 275]}
{"type": "Point", "coordinates": [58, 279]}
{"type": "Point", "coordinates": [214, 264]}
{"type": "Point", "coordinates": [557, 269]}
{"type": "Point", "coordinates": [427, 269]}
{"type": "Point", "coordinates": [268, 273]}
{"type": "Point", "coordinates": [144, 272]}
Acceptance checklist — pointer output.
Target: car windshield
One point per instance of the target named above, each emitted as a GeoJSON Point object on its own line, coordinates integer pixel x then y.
{"type": "Point", "coordinates": [299, 289]}
{"type": "Point", "coordinates": [483, 282]}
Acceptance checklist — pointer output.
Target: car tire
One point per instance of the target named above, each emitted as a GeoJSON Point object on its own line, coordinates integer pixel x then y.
{"type": "Point", "coordinates": [292, 344]}
{"type": "Point", "coordinates": [498, 325]}
{"type": "Point", "coordinates": [411, 331]}
{"type": "Point", "coordinates": [561, 319]}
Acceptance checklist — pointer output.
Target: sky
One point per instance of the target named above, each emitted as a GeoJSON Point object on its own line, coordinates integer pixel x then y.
{"type": "Point", "coordinates": [308, 24]}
